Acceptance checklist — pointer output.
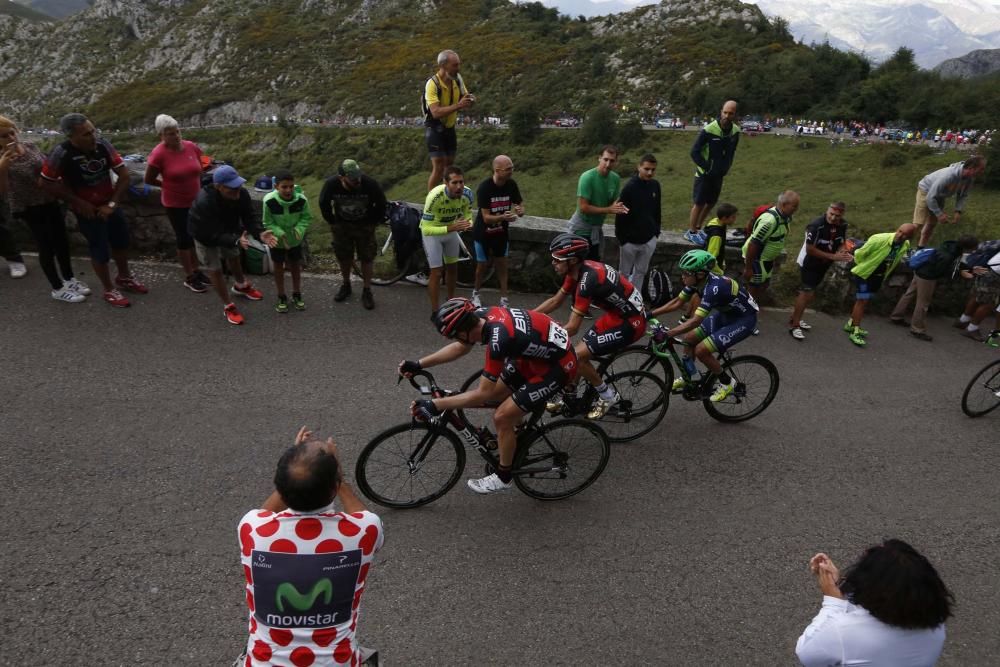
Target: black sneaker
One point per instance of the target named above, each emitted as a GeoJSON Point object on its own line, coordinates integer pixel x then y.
{"type": "Point", "coordinates": [367, 300]}
{"type": "Point", "coordinates": [343, 293]}
{"type": "Point", "coordinates": [193, 283]}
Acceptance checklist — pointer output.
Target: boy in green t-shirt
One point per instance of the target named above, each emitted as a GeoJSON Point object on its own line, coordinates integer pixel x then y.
{"type": "Point", "coordinates": [287, 215]}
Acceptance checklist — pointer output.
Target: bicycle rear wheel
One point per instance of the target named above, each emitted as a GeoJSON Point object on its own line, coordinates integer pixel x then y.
{"type": "Point", "coordinates": [982, 395]}
{"type": "Point", "coordinates": [410, 465]}
{"type": "Point", "coordinates": [561, 459]}
{"type": "Point", "coordinates": [644, 402]}
{"type": "Point", "coordinates": [467, 264]}
{"type": "Point", "coordinates": [756, 381]}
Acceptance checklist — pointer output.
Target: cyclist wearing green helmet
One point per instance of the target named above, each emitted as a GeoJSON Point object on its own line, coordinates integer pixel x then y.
{"type": "Point", "coordinates": [726, 315]}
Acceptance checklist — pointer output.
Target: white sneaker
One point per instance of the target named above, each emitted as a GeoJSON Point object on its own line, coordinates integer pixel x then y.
{"type": "Point", "coordinates": [418, 278]}
{"type": "Point", "coordinates": [77, 286]}
{"type": "Point", "coordinates": [797, 333]}
{"type": "Point", "coordinates": [489, 484]}
{"type": "Point", "coordinates": [64, 293]}
{"type": "Point", "coordinates": [476, 301]}
{"type": "Point", "coordinates": [504, 302]}
{"type": "Point", "coordinates": [17, 269]}
{"type": "Point", "coordinates": [805, 326]}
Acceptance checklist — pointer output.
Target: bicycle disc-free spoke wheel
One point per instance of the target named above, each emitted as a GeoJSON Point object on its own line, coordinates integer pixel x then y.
{"type": "Point", "coordinates": [561, 459]}
{"type": "Point", "coordinates": [756, 381]}
{"type": "Point", "coordinates": [644, 402]}
{"type": "Point", "coordinates": [410, 465]}
{"type": "Point", "coordinates": [982, 395]}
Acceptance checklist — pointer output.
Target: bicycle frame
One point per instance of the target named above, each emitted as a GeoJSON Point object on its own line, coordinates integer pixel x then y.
{"type": "Point", "coordinates": [667, 350]}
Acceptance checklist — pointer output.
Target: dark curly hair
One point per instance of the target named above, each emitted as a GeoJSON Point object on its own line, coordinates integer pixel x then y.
{"type": "Point", "coordinates": [898, 586]}
{"type": "Point", "coordinates": [307, 477]}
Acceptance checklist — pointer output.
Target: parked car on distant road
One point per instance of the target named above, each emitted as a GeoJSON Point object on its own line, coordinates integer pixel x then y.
{"type": "Point", "coordinates": [567, 121]}
{"type": "Point", "coordinates": [751, 126]}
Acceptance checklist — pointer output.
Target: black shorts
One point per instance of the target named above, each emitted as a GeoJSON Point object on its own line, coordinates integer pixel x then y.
{"type": "Point", "coordinates": [612, 332]}
{"type": "Point", "coordinates": [178, 218]}
{"type": "Point", "coordinates": [533, 381]}
{"type": "Point", "coordinates": [706, 190]}
{"type": "Point", "coordinates": [441, 141]}
{"type": "Point", "coordinates": [811, 277]}
{"type": "Point", "coordinates": [290, 255]}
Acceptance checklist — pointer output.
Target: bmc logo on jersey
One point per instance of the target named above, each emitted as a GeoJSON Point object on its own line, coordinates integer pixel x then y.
{"type": "Point", "coordinates": [544, 392]}
{"type": "Point", "coordinates": [520, 319]}
{"type": "Point", "coordinates": [609, 337]}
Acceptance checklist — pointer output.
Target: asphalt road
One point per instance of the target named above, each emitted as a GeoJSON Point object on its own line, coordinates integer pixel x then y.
{"type": "Point", "coordinates": [134, 440]}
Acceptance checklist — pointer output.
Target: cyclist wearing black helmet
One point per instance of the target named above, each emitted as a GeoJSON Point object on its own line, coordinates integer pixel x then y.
{"type": "Point", "coordinates": [529, 359]}
{"type": "Point", "coordinates": [727, 314]}
{"type": "Point", "coordinates": [624, 319]}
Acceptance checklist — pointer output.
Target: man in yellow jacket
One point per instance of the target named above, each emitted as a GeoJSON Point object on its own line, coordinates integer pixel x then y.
{"type": "Point", "coordinates": [874, 262]}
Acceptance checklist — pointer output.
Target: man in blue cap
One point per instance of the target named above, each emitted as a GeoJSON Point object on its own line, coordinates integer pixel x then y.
{"type": "Point", "coordinates": [221, 220]}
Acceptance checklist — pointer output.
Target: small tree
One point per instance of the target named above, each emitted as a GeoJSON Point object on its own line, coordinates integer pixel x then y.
{"type": "Point", "coordinates": [629, 134]}
{"type": "Point", "coordinates": [598, 127]}
{"type": "Point", "coordinates": [523, 123]}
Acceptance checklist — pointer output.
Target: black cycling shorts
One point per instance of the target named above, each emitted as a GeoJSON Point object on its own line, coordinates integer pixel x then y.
{"type": "Point", "coordinates": [533, 381]}
{"type": "Point", "coordinates": [811, 277]}
{"type": "Point", "coordinates": [290, 255]}
{"type": "Point", "coordinates": [441, 141]}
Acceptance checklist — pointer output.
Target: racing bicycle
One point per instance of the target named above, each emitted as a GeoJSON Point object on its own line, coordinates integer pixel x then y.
{"type": "Point", "coordinates": [416, 463]}
{"type": "Point", "coordinates": [755, 376]}
{"type": "Point", "coordinates": [982, 394]}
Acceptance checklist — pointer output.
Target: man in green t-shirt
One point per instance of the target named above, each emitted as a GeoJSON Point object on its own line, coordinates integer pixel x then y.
{"type": "Point", "coordinates": [596, 197]}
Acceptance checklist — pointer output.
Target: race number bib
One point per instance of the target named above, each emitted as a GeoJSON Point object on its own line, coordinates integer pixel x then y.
{"type": "Point", "coordinates": [558, 336]}
{"type": "Point", "coordinates": [636, 299]}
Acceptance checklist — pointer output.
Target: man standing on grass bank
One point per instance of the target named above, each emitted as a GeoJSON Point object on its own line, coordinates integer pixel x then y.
{"type": "Point", "coordinates": [935, 188]}
{"type": "Point", "coordinates": [638, 229]}
{"type": "Point", "coordinates": [713, 152]}
{"type": "Point", "coordinates": [444, 95]}
{"type": "Point", "coordinates": [597, 196]}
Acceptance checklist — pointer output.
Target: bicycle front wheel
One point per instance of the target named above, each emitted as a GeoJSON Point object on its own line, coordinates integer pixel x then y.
{"type": "Point", "coordinates": [982, 395]}
{"type": "Point", "coordinates": [410, 465]}
{"type": "Point", "coordinates": [561, 459]}
{"type": "Point", "coordinates": [643, 404]}
{"type": "Point", "coordinates": [756, 381]}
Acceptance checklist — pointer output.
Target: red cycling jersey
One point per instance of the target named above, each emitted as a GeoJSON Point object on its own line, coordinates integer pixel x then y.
{"type": "Point", "coordinates": [531, 340]}
{"type": "Point", "coordinates": [603, 286]}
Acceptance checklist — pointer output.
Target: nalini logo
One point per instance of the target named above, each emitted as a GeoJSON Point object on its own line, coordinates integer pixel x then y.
{"type": "Point", "coordinates": [287, 592]}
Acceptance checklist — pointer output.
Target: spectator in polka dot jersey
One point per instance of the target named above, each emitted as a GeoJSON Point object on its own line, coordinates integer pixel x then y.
{"type": "Point", "coordinates": [306, 563]}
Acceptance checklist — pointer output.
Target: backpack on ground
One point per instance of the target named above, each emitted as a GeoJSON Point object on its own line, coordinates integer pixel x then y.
{"type": "Point", "coordinates": [657, 289]}
{"type": "Point", "coordinates": [256, 258]}
{"type": "Point", "coordinates": [921, 257]}
{"type": "Point", "coordinates": [982, 255]}
{"type": "Point", "coordinates": [404, 222]}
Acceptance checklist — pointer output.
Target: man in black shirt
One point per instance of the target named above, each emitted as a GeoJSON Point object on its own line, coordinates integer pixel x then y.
{"type": "Point", "coordinates": [499, 201]}
{"type": "Point", "coordinates": [638, 229]}
{"type": "Point", "coordinates": [822, 247]}
{"type": "Point", "coordinates": [353, 203]}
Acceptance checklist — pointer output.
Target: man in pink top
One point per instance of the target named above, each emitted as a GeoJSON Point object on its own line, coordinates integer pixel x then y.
{"type": "Point", "coordinates": [175, 167]}
{"type": "Point", "coordinates": [305, 563]}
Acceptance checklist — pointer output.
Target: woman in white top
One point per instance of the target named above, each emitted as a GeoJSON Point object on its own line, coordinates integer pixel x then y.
{"type": "Point", "coordinates": [888, 610]}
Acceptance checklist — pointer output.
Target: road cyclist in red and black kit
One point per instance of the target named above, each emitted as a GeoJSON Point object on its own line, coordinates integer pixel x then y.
{"type": "Point", "coordinates": [529, 359]}
{"type": "Point", "coordinates": [623, 322]}
{"type": "Point", "coordinates": [726, 315]}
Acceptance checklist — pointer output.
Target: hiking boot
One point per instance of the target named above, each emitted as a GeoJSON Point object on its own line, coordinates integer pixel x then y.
{"type": "Point", "coordinates": [297, 301]}
{"type": "Point", "coordinates": [77, 286]}
{"type": "Point", "coordinates": [797, 333]}
{"type": "Point", "coordinates": [193, 283]}
{"type": "Point", "coordinates": [282, 305]}
{"type": "Point", "coordinates": [131, 284]}
{"type": "Point", "coordinates": [858, 337]}
{"type": "Point", "coordinates": [343, 293]}
{"type": "Point", "coordinates": [976, 335]}
{"type": "Point", "coordinates": [232, 315]}
{"type": "Point", "coordinates": [489, 484]}
{"type": "Point", "coordinates": [367, 299]}
{"type": "Point", "coordinates": [248, 291]}
{"type": "Point", "coordinates": [116, 298]}
{"type": "Point", "coordinates": [64, 293]}
{"type": "Point", "coordinates": [601, 407]}
{"type": "Point", "coordinates": [921, 335]}
{"type": "Point", "coordinates": [722, 392]}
